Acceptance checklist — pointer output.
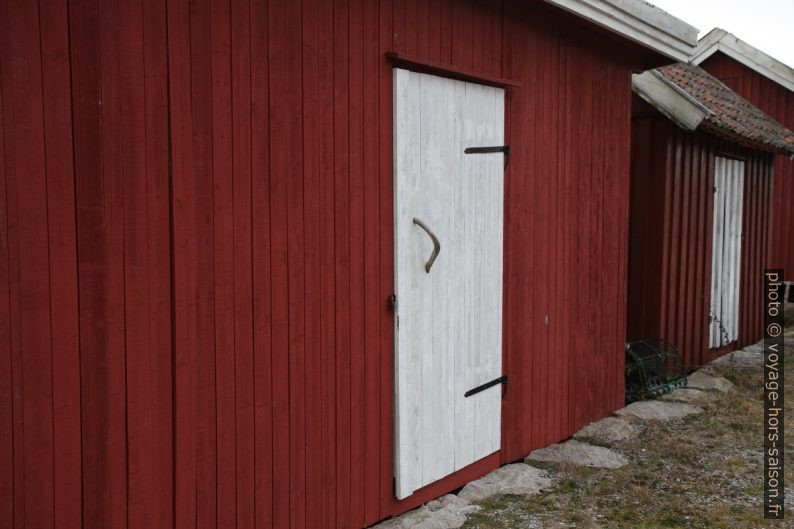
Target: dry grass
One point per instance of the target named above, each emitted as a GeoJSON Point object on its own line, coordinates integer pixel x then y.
{"type": "Point", "coordinates": [700, 472]}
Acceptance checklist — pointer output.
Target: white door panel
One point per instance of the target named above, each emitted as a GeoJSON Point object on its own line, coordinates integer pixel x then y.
{"type": "Point", "coordinates": [449, 320]}
{"type": "Point", "coordinates": [726, 251]}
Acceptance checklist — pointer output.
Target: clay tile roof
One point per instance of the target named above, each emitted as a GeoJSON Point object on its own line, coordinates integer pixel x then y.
{"type": "Point", "coordinates": [733, 116]}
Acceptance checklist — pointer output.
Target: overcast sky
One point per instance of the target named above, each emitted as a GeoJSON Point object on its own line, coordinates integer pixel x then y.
{"type": "Point", "coordinates": [766, 24]}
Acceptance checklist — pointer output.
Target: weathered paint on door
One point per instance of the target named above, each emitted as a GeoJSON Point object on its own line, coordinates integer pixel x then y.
{"type": "Point", "coordinates": [448, 335]}
{"type": "Point", "coordinates": [727, 250]}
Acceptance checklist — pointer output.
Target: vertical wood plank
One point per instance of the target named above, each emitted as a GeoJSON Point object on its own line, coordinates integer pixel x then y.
{"type": "Point", "coordinates": [63, 264]}
{"type": "Point", "coordinates": [279, 128]}
{"type": "Point", "coordinates": [111, 357]}
{"type": "Point", "coordinates": [295, 267]}
{"type": "Point", "coordinates": [682, 234]}
{"type": "Point", "coordinates": [7, 466]}
{"type": "Point", "coordinates": [386, 247]}
{"type": "Point", "coordinates": [524, 241]}
{"type": "Point", "coordinates": [697, 292]}
{"type": "Point", "coordinates": [327, 293]}
{"type": "Point", "coordinates": [597, 280]}
{"type": "Point", "coordinates": [625, 140]}
{"type": "Point", "coordinates": [583, 365]}
{"type": "Point", "coordinates": [201, 287]}
{"type": "Point", "coordinates": [93, 246]}
{"type": "Point", "coordinates": [412, 26]}
{"type": "Point", "coordinates": [541, 199]}
{"type": "Point", "coordinates": [612, 246]}
{"type": "Point", "coordinates": [567, 128]}
{"type": "Point", "coordinates": [341, 88]}
{"type": "Point", "coordinates": [243, 262]}
{"type": "Point", "coordinates": [356, 242]}
{"type": "Point", "coordinates": [312, 134]}
{"type": "Point", "coordinates": [510, 364]}
{"type": "Point", "coordinates": [261, 254]}
{"type": "Point", "coordinates": [711, 198]}
{"type": "Point", "coordinates": [157, 426]}
{"type": "Point", "coordinates": [142, 392]}
{"type": "Point", "coordinates": [224, 237]}
{"type": "Point", "coordinates": [445, 33]}
{"type": "Point", "coordinates": [183, 263]}
{"type": "Point", "coordinates": [15, 335]}
{"type": "Point", "coordinates": [372, 301]}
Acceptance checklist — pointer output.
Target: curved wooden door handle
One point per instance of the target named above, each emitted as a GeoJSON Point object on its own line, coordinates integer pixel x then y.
{"type": "Point", "coordinates": [436, 244]}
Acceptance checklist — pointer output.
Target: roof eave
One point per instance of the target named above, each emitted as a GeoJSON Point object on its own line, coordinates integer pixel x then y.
{"type": "Point", "coordinates": [745, 141]}
{"type": "Point", "coordinates": [669, 99]}
{"type": "Point", "coordinates": [640, 22]}
{"type": "Point", "coordinates": [735, 48]}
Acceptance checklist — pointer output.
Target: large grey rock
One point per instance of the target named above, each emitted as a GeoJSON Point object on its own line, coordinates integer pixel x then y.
{"type": "Point", "coordinates": [700, 380]}
{"type": "Point", "coordinates": [578, 453]}
{"type": "Point", "coordinates": [611, 429]}
{"type": "Point", "coordinates": [517, 479]}
{"type": "Point", "coordinates": [662, 411]}
{"type": "Point", "coordinates": [687, 395]}
{"type": "Point", "coordinates": [750, 356]}
{"type": "Point", "coordinates": [447, 512]}
{"type": "Point", "coordinates": [757, 347]}
{"type": "Point", "coordinates": [743, 358]}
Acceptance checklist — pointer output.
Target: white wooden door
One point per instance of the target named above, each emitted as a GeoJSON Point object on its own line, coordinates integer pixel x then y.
{"type": "Point", "coordinates": [726, 251]}
{"type": "Point", "coordinates": [448, 319]}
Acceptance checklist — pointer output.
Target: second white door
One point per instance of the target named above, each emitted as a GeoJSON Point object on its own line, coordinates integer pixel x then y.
{"type": "Point", "coordinates": [726, 251]}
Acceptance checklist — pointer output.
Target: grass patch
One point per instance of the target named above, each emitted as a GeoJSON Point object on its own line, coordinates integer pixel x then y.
{"type": "Point", "coordinates": [496, 504]}
{"type": "Point", "coordinates": [595, 441]}
{"type": "Point", "coordinates": [701, 472]}
{"type": "Point", "coordinates": [734, 463]}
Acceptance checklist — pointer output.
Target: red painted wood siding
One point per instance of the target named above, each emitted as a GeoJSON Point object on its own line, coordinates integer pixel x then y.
{"type": "Point", "coordinates": [671, 222]}
{"type": "Point", "coordinates": [196, 248]}
{"type": "Point", "coordinates": [85, 288]}
{"type": "Point", "coordinates": [778, 102]}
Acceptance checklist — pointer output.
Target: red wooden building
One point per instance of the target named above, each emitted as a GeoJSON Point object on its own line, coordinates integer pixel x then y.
{"type": "Point", "coordinates": [198, 246]}
{"type": "Point", "coordinates": [702, 170]}
{"type": "Point", "coordinates": [768, 84]}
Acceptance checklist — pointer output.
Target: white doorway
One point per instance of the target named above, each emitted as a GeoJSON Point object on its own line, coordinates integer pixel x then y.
{"type": "Point", "coordinates": [726, 251]}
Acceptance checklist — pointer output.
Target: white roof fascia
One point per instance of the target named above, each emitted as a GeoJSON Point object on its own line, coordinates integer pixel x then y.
{"type": "Point", "coordinates": [727, 43]}
{"type": "Point", "coordinates": [669, 99]}
{"type": "Point", "coordinates": [639, 21]}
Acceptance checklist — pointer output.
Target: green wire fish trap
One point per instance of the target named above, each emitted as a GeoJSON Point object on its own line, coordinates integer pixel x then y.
{"type": "Point", "coordinates": [653, 367]}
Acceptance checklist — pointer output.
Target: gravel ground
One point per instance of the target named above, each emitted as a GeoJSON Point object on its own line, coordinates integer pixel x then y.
{"type": "Point", "coordinates": [702, 471]}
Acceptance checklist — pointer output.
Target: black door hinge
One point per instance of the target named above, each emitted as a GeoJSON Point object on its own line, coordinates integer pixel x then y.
{"type": "Point", "coordinates": [487, 150]}
{"type": "Point", "coordinates": [495, 382]}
